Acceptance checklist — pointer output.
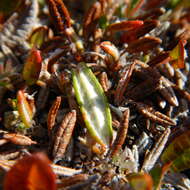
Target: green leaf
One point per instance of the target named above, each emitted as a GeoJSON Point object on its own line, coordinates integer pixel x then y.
{"type": "Point", "coordinates": [176, 147]}
{"type": "Point", "coordinates": [173, 3]}
{"type": "Point", "coordinates": [158, 173]}
{"type": "Point", "coordinates": [182, 162]}
{"type": "Point", "coordinates": [93, 104]}
{"type": "Point", "coordinates": [103, 22]}
{"type": "Point", "coordinates": [39, 36]}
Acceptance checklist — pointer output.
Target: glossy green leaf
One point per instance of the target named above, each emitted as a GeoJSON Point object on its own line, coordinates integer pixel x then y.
{"type": "Point", "coordinates": [24, 109]}
{"type": "Point", "coordinates": [93, 104]}
{"type": "Point", "coordinates": [32, 67]}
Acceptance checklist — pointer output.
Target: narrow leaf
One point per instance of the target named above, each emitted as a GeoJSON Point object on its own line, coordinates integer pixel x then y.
{"type": "Point", "coordinates": [93, 104]}
{"type": "Point", "coordinates": [18, 139]}
{"type": "Point", "coordinates": [125, 25]}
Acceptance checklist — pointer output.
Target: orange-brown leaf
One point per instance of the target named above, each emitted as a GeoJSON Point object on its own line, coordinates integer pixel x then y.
{"type": "Point", "coordinates": [24, 109]}
{"type": "Point", "coordinates": [18, 139]}
{"type": "Point", "coordinates": [125, 25]}
{"type": "Point", "coordinates": [31, 173]}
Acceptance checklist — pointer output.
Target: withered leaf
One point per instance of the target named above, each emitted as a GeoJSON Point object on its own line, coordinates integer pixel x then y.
{"type": "Point", "coordinates": [144, 44]}
{"type": "Point", "coordinates": [18, 139]}
{"type": "Point", "coordinates": [64, 134]}
{"type": "Point", "coordinates": [65, 182]}
{"type": "Point", "coordinates": [123, 82]}
{"type": "Point", "coordinates": [153, 115]}
{"type": "Point", "coordinates": [121, 134]}
{"type": "Point", "coordinates": [53, 113]}
{"type": "Point", "coordinates": [59, 14]}
{"type": "Point", "coordinates": [162, 58]}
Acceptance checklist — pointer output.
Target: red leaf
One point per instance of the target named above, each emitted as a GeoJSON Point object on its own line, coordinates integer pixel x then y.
{"type": "Point", "coordinates": [31, 173]}
{"type": "Point", "coordinates": [32, 67]}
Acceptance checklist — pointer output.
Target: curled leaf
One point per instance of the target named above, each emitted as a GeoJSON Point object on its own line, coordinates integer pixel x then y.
{"type": "Point", "coordinates": [24, 109]}
{"type": "Point", "coordinates": [93, 104]}
{"type": "Point", "coordinates": [32, 67]}
{"type": "Point", "coordinates": [31, 172]}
